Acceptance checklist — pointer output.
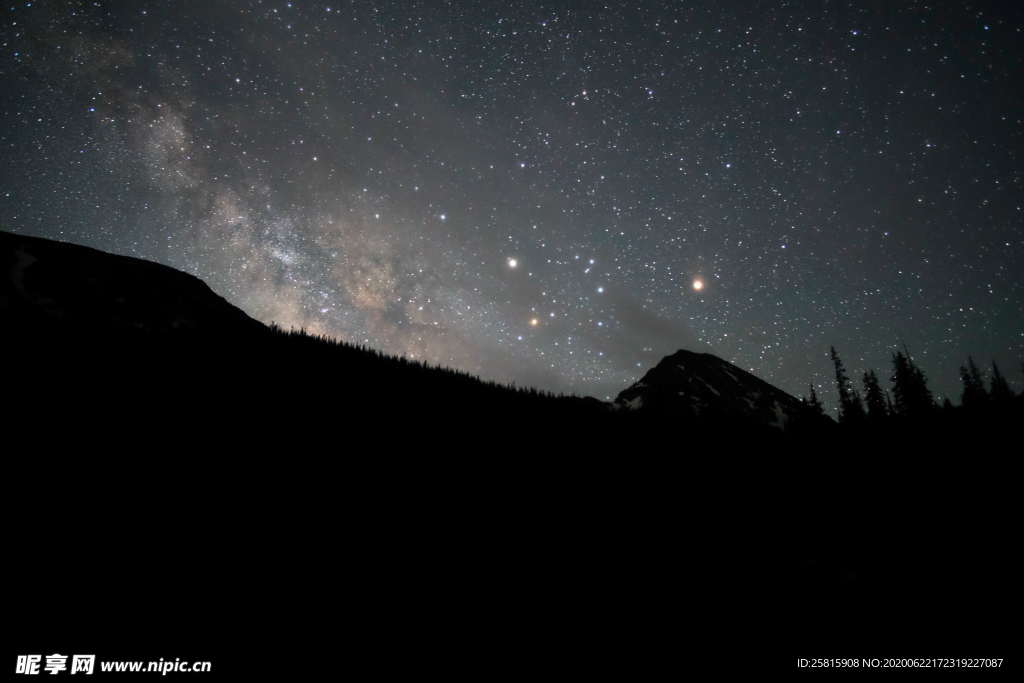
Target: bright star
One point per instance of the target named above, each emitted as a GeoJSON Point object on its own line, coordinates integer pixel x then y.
{"type": "Point", "coordinates": [698, 284]}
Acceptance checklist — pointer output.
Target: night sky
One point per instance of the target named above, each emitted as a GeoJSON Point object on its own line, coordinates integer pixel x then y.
{"type": "Point", "coordinates": [532, 192]}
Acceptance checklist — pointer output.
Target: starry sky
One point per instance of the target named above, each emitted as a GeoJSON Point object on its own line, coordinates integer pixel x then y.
{"type": "Point", "coordinates": [532, 191]}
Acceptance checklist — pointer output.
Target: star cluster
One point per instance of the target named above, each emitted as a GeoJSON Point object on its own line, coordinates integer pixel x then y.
{"type": "Point", "coordinates": [555, 194]}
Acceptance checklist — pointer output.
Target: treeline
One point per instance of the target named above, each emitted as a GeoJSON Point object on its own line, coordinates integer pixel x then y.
{"type": "Point", "coordinates": [300, 338]}
{"type": "Point", "coordinates": [260, 384]}
{"type": "Point", "coordinates": [908, 397]}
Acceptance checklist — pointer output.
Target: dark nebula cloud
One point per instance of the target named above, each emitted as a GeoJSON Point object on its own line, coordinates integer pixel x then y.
{"type": "Point", "coordinates": [839, 174]}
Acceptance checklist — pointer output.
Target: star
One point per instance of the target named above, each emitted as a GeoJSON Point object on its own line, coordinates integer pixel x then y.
{"type": "Point", "coordinates": [847, 193]}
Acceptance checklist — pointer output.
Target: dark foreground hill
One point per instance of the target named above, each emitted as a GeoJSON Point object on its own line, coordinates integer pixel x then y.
{"type": "Point", "coordinates": [128, 343]}
{"type": "Point", "coordinates": [188, 482]}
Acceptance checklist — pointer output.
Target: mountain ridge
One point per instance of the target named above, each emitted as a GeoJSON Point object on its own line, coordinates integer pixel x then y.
{"type": "Point", "coordinates": [212, 466]}
{"type": "Point", "coordinates": [51, 288]}
{"type": "Point", "coordinates": [52, 282]}
{"type": "Point", "coordinates": [693, 386]}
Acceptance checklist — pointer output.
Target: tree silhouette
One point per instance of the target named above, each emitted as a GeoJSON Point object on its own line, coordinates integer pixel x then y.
{"type": "Point", "coordinates": [999, 389]}
{"type": "Point", "coordinates": [851, 410]}
{"type": "Point", "coordinates": [814, 403]}
{"type": "Point", "coordinates": [874, 397]}
{"type": "Point", "coordinates": [911, 395]}
{"type": "Point", "coordinates": [974, 393]}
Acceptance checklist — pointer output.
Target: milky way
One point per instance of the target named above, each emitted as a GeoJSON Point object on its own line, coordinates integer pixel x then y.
{"type": "Point", "coordinates": [532, 192]}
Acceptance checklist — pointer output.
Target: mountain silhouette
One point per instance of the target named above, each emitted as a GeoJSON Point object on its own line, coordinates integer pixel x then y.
{"type": "Point", "coordinates": [124, 315]}
{"type": "Point", "coordinates": [199, 475]}
{"type": "Point", "coordinates": [702, 387]}
{"type": "Point", "coordinates": [48, 284]}
{"type": "Point", "coordinates": [115, 333]}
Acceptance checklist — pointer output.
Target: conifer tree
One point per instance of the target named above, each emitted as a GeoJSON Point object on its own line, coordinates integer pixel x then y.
{"type": "Point", "coordinates": [814, 403]}
{"type": "Point", "coordinates": [874, 397]}
{"type": "Point", "coordinates": [999, 388]}
{"type": "Point", "coordinates": [974, 393]}
{"type": "Point", "coordinates": [850, 407]}
{"type": "Point", "coordinates": [911, 395]}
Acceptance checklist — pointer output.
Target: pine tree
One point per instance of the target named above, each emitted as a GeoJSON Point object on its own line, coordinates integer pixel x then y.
{"type": "Point", "coordinates": [851, 409]}
{"type": "Point", "coordinates": [874, 398]}
{"type": "Point", "coordinates": [974, 393]}
{"type": "Point", "coordinates": [814, 403]}
{"type": "Point", "coordinates": [911, 395]}
{"type": "Point", "coordinates": [999, 388]}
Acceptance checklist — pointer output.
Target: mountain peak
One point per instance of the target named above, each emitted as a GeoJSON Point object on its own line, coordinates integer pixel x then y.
{"type": "Point", "coordinates": [689, 385]}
